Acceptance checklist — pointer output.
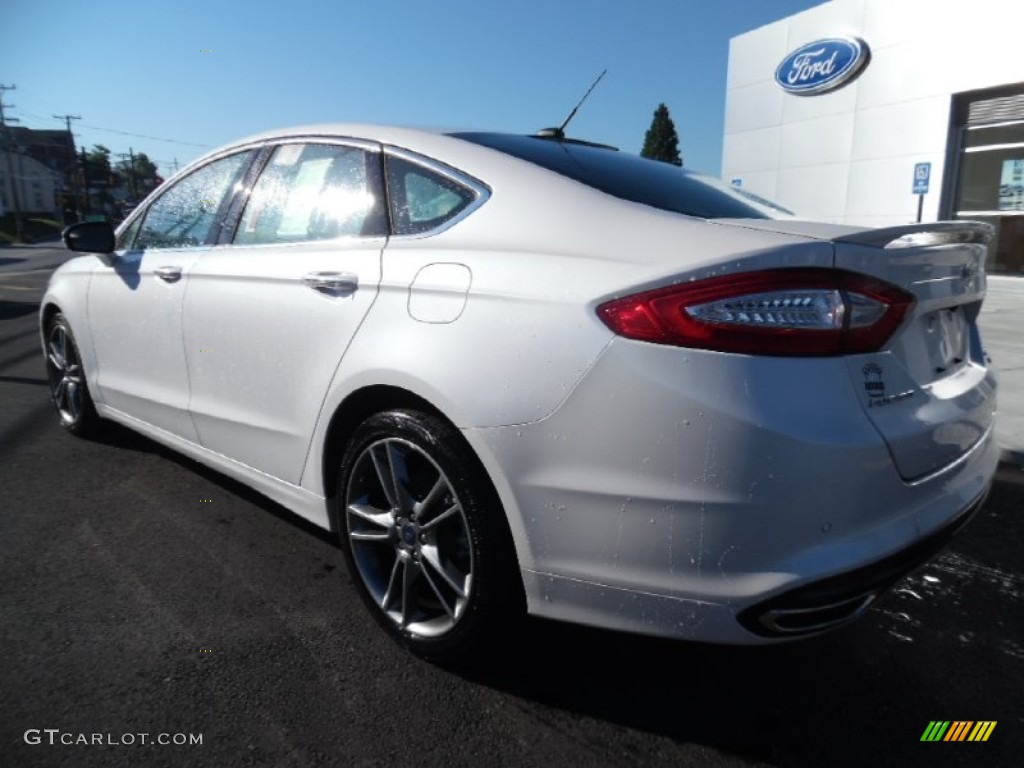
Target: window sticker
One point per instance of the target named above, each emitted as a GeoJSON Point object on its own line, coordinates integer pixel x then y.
{"type": "Point", "coordinates": [1011, 185]}
{"type": "Point", "coordinates": [287, 154]}
{"type": "Point", "coordinates": [302, 197]}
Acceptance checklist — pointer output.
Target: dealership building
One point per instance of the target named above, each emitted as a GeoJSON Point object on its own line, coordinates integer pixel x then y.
{"type": "Point", "coordinates": [885, 112]}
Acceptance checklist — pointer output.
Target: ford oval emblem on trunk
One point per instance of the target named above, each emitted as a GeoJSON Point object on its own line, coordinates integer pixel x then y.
{"type": "Point", "coordinates": [823, 65]}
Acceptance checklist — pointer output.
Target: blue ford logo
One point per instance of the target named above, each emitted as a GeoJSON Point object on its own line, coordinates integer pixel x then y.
{"type": "Point", "coordinates": [823, 65]}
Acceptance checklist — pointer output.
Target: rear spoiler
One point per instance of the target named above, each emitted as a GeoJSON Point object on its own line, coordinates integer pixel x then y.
{"type": "Point", "coordinates": [923, 235]}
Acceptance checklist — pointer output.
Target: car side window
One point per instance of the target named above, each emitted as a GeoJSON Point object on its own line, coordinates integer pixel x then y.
{"type": "Point", "coordinates": [423, 199]}
{"type": "Point", "coordinates": [186, 214]}
{"type": "Point", "coordinates": [314, 192]}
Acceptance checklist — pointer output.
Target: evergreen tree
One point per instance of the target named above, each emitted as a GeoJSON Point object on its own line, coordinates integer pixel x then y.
{"type": "Point", "coordinates": [662, 141]}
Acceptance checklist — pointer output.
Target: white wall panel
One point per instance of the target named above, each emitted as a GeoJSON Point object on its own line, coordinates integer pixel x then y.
{"type": "Point", "coordinates": [904, 72]}
{"type": "Point", "coordinates": [747, 55]}
{"type": "Point", "coordinates": [753, 150]}
{"type": "Point", "coordinates": [817, 142]}
{"type": "Point", "coordinates": [906, 128]}
{"type": "Point", "coordinates": [890, 22]}
{"type": "Point", "coordinates": [758, 105]}
{"type": "Point", "coordinates": [815, 191]}
{"type": "Point", "coordinates": [796, 108]}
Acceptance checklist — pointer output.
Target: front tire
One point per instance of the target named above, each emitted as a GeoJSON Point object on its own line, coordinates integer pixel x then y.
{"type": "Point", "coordinates": [69, 390]}
{"type": "Point", "coordinates": [425, 537]}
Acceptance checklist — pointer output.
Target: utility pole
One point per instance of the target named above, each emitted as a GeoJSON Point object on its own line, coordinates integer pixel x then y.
{"type": "Point", "coordinates": [71, 158]}
{"type": "Point", "coordinates": [8, 147]}
{"type": "Point", "coordinates": [87, 207]}
{"type": "Point", "coordinates": [135, 183]}
{"type": "Point", "coordinates": [131, 172]}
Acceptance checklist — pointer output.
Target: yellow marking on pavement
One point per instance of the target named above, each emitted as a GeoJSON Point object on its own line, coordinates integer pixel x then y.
{"type": "Point", "coordinates": [4, 287]}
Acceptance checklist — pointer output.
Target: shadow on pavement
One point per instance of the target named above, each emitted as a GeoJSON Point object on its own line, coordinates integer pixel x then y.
{"type": "Point", "coordinates": [9, 310]}
{"type": "Point", "coordinates": [23, 380]}
{"type": "Point", "coordinates": [118, 436]}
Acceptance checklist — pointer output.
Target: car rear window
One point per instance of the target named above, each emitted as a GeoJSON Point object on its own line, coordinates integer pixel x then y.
{"type": "Point", "coordinates": [660, 185]}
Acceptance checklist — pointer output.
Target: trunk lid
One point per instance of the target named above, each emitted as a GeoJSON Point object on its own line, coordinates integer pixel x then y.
{"type": "Point", "coordinates": [929, 392]}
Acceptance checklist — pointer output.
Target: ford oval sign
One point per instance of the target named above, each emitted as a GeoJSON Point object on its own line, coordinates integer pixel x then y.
{"type": "Point", "coordinates": [823, 65]}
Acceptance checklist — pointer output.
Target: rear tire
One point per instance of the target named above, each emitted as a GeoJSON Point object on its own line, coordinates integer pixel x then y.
{"type": "Point", "coordinates": [69, 390]}
{"type": "Point", "coordinates": [425, 537]}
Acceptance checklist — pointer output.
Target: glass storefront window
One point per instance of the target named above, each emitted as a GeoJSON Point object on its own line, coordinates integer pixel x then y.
{"type": "Point", "coordinates": [990, 187]}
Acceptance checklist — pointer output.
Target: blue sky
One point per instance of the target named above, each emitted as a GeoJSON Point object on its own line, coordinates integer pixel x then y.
{"type": "Point", "coordinates": [208, 72]}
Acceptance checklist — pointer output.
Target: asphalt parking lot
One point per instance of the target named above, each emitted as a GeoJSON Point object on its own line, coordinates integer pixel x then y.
{"type": "Point", "coordinates": [144, 594]}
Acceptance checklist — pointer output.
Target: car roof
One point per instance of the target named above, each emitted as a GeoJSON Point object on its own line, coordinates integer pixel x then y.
{"type": "Point", "coordinates": [425, 139]}
{"type": "Point", "coordinates": [435, 142]}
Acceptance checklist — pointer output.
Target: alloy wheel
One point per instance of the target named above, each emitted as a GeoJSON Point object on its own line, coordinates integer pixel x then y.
{"type": "Point", "coordinates": [409, 537]}
{"type": "Point", "coordinates": [64, 369]}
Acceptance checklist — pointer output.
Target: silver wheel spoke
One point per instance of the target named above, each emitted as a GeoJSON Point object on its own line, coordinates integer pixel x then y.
{"type": "Point", "coordinates": [430, 558]}
{"type": "Point", "coordinates": [440, 518]}
{"type": "Point", "coordinates": [371, 536]}
{"type": "Point", "coordinates": [72, 390]}
{"type": "Point", "coordinates": [389, 596]}
{"type": "Point", "coordinates": [59, 393]}
{"type": "Point", "coordinates": [55, 361]}
{"type": "Point", "coordinates": [444, 603]}
{"type": "Point", "coordinates": [408, 584]}
{"type": "Point", "coordinates": [386, 474]}
{"type": "Point", "coordinates": [371, 515]}
{"type": "Point", "coordinates": [440, 486]}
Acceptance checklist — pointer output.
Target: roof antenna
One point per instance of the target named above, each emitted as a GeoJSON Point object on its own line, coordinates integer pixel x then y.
{"type": "Point", "coordinates": [559, 132]}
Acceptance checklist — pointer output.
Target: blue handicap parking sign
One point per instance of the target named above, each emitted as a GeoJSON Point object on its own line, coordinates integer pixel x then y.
{"type": "Point", "coordinates": [922, 175]}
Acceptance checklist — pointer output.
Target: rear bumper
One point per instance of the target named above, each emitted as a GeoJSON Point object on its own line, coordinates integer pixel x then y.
{"type": "Point", "coordinates": [835, 600]}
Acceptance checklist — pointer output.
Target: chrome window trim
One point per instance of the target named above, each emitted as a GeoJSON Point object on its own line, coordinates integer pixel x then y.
{"type": "Point", "coordinates": [481, 191]}
{"type": "Point", "coordinates": [346, 141]}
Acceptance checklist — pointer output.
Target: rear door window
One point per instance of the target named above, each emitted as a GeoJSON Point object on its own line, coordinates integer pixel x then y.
{"type": "Point", "coordinates": [314, 192]}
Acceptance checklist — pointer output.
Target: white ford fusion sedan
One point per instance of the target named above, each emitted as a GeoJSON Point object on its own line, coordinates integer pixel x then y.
{"type": "Point", "coordinates": [533, 373]}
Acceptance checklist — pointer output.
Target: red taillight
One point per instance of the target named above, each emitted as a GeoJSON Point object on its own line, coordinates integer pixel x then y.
{"type": "Point", "coordinates": [793, 312]}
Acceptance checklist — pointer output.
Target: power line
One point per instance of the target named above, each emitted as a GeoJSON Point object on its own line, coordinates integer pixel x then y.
{"type": "Point", "coordinates": [125, 133]}
{"type": "Point", "coordinates": [144, 136]}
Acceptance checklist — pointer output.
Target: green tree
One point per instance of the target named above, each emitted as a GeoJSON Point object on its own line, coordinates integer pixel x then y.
{"type": "Point", "coordinates": [97, 164]}
{"type": "Point", "coordinates": [140, 177]}
{"type": "Point", "coordinates": [662, 141]}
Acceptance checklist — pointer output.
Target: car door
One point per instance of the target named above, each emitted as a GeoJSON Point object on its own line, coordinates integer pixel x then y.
{"type": "Point", "coordinates": [135, 305]}
{"type": "Point", "coordinates": [268, 317]}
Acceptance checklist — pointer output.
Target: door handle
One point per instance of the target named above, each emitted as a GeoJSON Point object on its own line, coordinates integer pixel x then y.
{"type": "Point", "coordinates": [332, 282]}
{"type": "Point", "coordinates": [168, 274]}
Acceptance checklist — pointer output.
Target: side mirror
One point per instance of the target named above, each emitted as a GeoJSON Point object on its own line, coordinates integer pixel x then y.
{"type": "Point", "coordinates": [89, 237]}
